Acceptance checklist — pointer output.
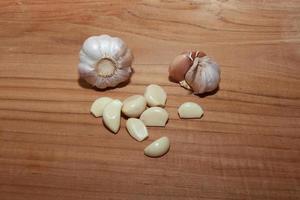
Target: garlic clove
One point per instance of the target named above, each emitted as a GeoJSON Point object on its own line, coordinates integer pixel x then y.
{"type": "Point", "coordinates": [155, 95]}
{"type": "Point", "coordinates": [118, 47]}
{"type": "Point", "coordinates": [190, 110]}
{"type": "Point", "coordinates": [86, 60]}
{"type": "Point", "coordinates": [158, 148]}
{"type": "Point", "coordinates": [155, 116]}
{"type": "Point", "coordinates": [91, 48]}
{"type": "Point", "coordinates": [137, 129]}
{"type": "Point", "coordinates": [99, 105]}
{"type": "Point", "coordinates": [134, 105]}
{"type": "Point", "coordinates": [203, 76]}
{"type": "Point", "coordinates": [105, 61]}
{"type": "Point", "coordinates": [179, 66]}
{"type": "Point", "coordinates": [195, 71]}
{"type": "Point", "coordinates": [127, 59]}
{"type": "Point", "coordinates": [105, 42]}
{"type": "Point", "coordinates": [112, 115]}
{"type": "Point", "coordinates": [88, 72]}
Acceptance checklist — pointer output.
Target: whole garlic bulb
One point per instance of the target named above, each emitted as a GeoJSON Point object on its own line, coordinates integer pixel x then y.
{"type": "Point", "coordinates": [195, 71]}
{"type": "Point", "coordinates": [105, 61]}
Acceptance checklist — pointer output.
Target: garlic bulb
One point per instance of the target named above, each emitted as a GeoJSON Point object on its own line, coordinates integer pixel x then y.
{"type": "Point", "coordinates": [105, 61]}
{"type": "Point", "coordinates": [195, 71]}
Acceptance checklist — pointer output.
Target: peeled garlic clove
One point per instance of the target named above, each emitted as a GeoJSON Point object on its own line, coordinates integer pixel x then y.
{"type": "Point", "coordinates": [195, 71]}
{"type": "Point", "coordinates": [105, 61]}
{"type": "Point", "coordinates": [98, 106]}
{"type": "Point", "coordinates": [137, 129]}
{"type": "Point", "coordinates": [134, 105]}
{"type": "Point", "coordinates": [112, 115]}
{"type": "Point", "coordinates": [158, 148]}
{"type": "Point", "coordinates": [190, 110]}
{"type": "Point", "coordinates": [155, 116]}
{"type": "Point", "coordinates": [155, 95]}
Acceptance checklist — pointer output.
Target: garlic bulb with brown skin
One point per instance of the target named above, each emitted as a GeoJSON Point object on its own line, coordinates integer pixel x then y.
{"type": "Point", "coordinates": [105, 61]}
{"type": "Point", "coordinates": [195, 71]}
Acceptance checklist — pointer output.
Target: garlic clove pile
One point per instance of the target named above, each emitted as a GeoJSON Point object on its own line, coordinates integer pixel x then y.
{"type": "Point", "coordinates": [190, 110]}
{"type": "Point", "coordinates": [155, 95]}
{"type": "Point", "coordinates": [112, 115]}
{"type": "Point", "coordinates": [137, 129]}
{"type": "Point", "coordinates": [105, 61]}
{"type": "Point", "coordinates": [195, 71]}
{"type": "Point", "coordinates": [158, 148]}
{"type": "Point", "coordinates": [133, 106]}
{"type": "Point", "coordinates": [99, 105]}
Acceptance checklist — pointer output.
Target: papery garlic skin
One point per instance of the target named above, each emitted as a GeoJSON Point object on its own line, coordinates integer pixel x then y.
{"type": "Point", "coordinates": [105, 61]}
{"type": "Point", "coordinates": [195, 71]}
{"type": "Point", "coordinates": [179, 66]}
{"type": "Point", "coordinates": [203, 76]}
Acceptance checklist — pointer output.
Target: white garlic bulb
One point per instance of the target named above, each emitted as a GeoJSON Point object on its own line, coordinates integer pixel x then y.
{"type": "Point", "coordinates": [195, 71]}
{"type": "Point", "coordinates": [105, 61]}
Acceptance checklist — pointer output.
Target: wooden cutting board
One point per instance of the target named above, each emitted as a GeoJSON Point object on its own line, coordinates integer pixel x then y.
{"type": "Point", "coordinates": [246, 146]}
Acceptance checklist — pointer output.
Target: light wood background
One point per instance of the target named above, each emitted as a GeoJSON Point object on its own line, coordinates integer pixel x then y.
{"type": "Point", "coordinates": [247, 145]}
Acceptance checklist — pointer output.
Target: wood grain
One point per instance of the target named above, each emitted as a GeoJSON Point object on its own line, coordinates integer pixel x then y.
{"type": "Point", "coordinates": [247, 146]}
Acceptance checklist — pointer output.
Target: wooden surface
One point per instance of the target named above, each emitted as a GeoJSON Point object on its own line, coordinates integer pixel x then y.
{"type": "Point", "coordinates": [247, 145]}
